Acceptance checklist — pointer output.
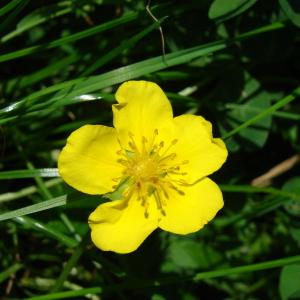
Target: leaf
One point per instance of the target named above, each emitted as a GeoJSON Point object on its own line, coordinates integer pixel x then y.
{"type": "Point", "coordinates": [292, 10]}
{"type": "Point", "coordinates": [222, 10]}
{"type": "Point", "coordinates": [191, 254]}
{"type": "Point", "coordinates": [252, 101]}
{"type": "Point", "coordinates": [289, 282]}
{"type": "Point", "coordinates": [293, 186]}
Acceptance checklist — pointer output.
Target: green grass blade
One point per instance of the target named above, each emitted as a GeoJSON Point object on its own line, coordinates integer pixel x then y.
{"type": "Point", "coordinates": [17, 174]}
{"type": "Point", "coordinates": [252, 189]}
{"type": "Point", "coordinates": [8, 7]}
{"type": "Point", "coordinates": [294, 95]}
{"type": "Point", "coordinates": [37, 21]}
{"type": "Point", "coordinates": [12, 16]}
{"type": "Point", "coordinates": [30, 223]}
{"type": "Point", "coordinates": [71, 38]}
{"type": "Point", "coordinates": [10, 271]}
{"type": "Point", "coordinates": [118, 50]}
{"type": "Point", "coordinates": [48, 204]}
{"type": "Point", "coordinates": [9, 196]}
{"type": "Point", "coordinates": [42, 74]}
{"type": "Point", "coordinates": [94, 83]}
{"type": "Point", "coordinates": [68, 294]}
{"type": "Point", "coordinates": [277, 263]}
{"type": "Point", "coordinates": [70, 265]}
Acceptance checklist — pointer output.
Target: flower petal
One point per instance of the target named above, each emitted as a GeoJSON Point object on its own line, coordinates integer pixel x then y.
{"type": "Point", "coordinates": [196, 145]}
{"type": "Point", "coordinates": [89, 160]}
{"type": "Point", "coordinates": [189, 213]}
{"type": "Point", "coordinates": [143, 107]}
{"type": "Point", "coordinates": [121, 226]}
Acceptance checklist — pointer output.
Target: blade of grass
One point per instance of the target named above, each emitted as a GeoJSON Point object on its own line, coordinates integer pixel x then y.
{"type": "Point", "coordinates": [37, 21]}
{"type": "Point", "coordinates": [41, 74]}
{"type": "Point", "coordinates": [281, 103]}
{"type": "Point", "coordinates": [17, 174]}
{"type": "Point", "coordinates": [68, 294]}
{"type": "Point", "coordinates": [11, 17]}
{"type": "Point", "coordinates": [251, 189]}
{"type": "Point", "coordinates": [276, 263]}
{"type": "Point", "coordinates": [141, 284]}
{"type": "Point", "coordinates": [48, 204]}
{"type": "Point", "coordinates": [8, 7]}
{"type": "Point", "coordinates": [259, 210]}
{"type": "Point", "coordinates": [70, 265]}
{"type": "Point", "coordinates": [30, 223]}
{"type": "Point", "coordinates": [10, 271]}
{"type": "Point", "coordinates": [72, 89]}
{"type": "Point", "coordinates": [26, 191]}
{"type": "Point", "coordinates": [71, 38]}
{"type": "Point", "coordinates": [280, 114]}
{"type": "Point", "coordinates": [118, 50]}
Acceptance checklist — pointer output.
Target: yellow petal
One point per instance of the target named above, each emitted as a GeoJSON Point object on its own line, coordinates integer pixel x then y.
{"type": "Point", "coordinates": [143, 107]}
{"type": "Point", "coordinates": [121, 226]}
{"type": "Point", "coordinates": [88, 162]}
{"type": "Point", "coordinates": [196, 145]}
{"type": "Point", "coordinates": [190, 212]}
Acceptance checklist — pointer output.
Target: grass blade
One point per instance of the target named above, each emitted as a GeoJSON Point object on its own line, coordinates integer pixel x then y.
{"type": "Point", "coordinates": [68, 294]}
{"type": "Point", "coordinates": [294, 95]}
{"type": "Point", "coordinates": [71, 38]}
{"type": "Point", "coordinates": [31, 223]}
{"type": "Point", "coordinates": [48, 204]}
{"type": "Point", "coordinates": [17, 174]}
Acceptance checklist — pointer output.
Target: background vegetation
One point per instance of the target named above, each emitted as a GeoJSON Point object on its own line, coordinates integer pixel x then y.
{"type": "Point", "coordinates": [234, 62]}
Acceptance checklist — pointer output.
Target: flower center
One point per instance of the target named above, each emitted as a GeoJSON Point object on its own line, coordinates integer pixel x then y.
{"type": "Point", "coordinates": [150, 169]}
{"type": "Point", "coordinates": [143, 168]}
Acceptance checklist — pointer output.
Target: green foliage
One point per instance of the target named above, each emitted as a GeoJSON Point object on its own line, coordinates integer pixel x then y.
{"type": "Point", "coordinates": [234, 62]}
{"type": "Point", "coordinates": [222, 10]}
{"type": "Point", "coordinates": [289, 282]}
{"type": "Point", "coordinates": [292, 10]}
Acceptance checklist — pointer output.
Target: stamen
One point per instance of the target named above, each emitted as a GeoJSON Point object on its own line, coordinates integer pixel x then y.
{"type": "Point", "coordinates": [171, 156]}
{"type": "Point", "coordinates": [132, 143]}
{"type": "Point", "coordinates": [150, 169]}
{"type": "Point", "coordinates": [175, 188]}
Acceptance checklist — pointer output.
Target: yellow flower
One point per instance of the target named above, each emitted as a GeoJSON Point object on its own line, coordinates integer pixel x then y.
{"type": "Point", "coordinates": [152, 165]}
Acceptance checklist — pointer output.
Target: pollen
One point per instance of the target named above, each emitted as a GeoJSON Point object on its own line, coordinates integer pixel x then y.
{"type": "Point", "coordinates": [151, 169]}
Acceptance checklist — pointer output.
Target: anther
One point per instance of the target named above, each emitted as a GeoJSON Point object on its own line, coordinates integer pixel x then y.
{"type": "Point", "coordinates": [174, 142]}
{"type": "Point", "coordinates": [132, 146]}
